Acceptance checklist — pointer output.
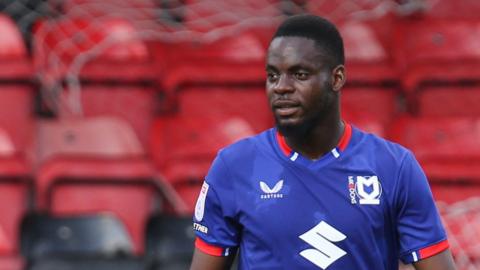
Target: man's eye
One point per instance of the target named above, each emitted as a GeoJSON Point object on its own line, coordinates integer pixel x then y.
{"type": "Point", "coordinates": [301, 76]}
{"type": "Point", "coordinates": [272, 76]}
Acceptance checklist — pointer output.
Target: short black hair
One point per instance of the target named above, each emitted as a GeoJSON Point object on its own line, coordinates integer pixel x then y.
{"type": "Point", "coordinates": [320, 30]}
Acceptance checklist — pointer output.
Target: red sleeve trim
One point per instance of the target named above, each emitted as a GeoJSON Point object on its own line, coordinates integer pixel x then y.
{"type": "Point", "coordinates": [208, 248]}
{"type": "Point", "coordinates": [433, 249]}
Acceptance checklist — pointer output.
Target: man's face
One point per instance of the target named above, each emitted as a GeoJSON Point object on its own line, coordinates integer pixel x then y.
{"type": "Point", "coordinates": [299, 86]}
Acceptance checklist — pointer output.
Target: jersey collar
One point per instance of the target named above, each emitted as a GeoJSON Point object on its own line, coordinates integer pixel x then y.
{"type": "Point", "coordinates": [341, 146]}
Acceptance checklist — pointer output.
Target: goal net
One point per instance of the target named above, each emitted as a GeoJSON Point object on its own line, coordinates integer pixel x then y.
{"type": "Point", "coordinates": [462, 222]}
{"type": "Point", "coordinates": [65, 35]}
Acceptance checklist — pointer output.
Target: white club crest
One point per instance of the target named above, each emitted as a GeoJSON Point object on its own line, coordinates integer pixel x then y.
{"type": "Point", "coordinates": [373, 196]}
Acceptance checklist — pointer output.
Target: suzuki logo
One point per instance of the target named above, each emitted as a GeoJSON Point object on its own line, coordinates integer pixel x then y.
{"type": "Point", "coordinates": [324, 252]}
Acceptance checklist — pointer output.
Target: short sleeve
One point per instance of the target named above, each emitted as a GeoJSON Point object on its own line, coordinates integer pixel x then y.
{"type": "Point", "coordinates": [214, 219]}
{"type": "Point", "coordinates": [420, 230]}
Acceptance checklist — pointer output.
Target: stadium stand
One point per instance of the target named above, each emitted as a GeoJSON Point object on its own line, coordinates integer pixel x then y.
{"type": "Point", "coordinates": [97, 165]}
{"type": "Point", "coordinates": [370, 100]}
{"type": "Point", "coordinates": [368, 59]}
{"type": "Point", "coordinates": [447, 148]}
{"type": "Point", "coordinates": [16, 82]}
{"type": "Point", "coordinates": [109, 63]}
{"type": "Point", "coordinates": [16, 121]}
{"type": "Point", "coordinates": [15, 202]}
{"type": "Point", "coordinates": [449, 100]}
{"type": "Point", "coordinates": [425, 47]}
{"type": "Point", "coordinates": [13, 52]}
{"type": "Point", "coordinates": [370, 108]}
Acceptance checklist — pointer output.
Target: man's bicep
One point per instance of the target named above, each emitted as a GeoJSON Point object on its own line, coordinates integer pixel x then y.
{"type": "Point", "coordinates": [440, 261]}
{"type": "Point", "coordinates": [203, 261]}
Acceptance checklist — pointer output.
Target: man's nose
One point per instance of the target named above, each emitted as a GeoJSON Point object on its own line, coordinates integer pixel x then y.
{"type": "Point", "coordinates": [284, 85]}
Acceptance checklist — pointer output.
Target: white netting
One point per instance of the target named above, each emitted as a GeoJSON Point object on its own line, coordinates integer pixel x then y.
{"type": "Point", "coordinates": [91, 27]}
{"type": "Point", "coordinates": [462, 223]}
{"type": "Point", "coordinates": [74, 32]}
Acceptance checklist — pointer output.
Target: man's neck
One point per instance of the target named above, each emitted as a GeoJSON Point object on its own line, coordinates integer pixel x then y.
{"type": "Point", "coordinates": [319, 140]}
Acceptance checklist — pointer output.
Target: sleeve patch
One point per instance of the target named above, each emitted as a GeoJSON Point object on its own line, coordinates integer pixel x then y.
{"type": "Point", "coordinates": [200, 205]}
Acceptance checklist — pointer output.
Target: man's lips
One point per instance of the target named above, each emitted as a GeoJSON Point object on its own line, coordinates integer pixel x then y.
{"type": "Point", "coordinates": [287, 111]}
{"type": "Point", "coordinates": [285, 107]}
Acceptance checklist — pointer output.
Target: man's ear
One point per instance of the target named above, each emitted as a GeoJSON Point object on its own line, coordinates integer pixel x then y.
{"type": "Point", "coordinates": [338, 77]}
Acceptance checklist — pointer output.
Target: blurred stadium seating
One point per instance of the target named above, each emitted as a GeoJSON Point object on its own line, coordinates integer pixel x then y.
{"type": "Point", "coordinates": [92, 165]}
{"type": "Point", "coordinates": [113, 110]}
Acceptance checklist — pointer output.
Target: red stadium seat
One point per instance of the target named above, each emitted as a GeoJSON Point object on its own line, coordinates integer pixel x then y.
{"type": "Point", "coordinates": [16, 87]}
{"type": "Point", "coordinates": [15, 201]}
{"type": "Point", "coordinates": [229, 63]}
{"type": "Point", "coordinates": [96, 165]}
{"type": "Point", "coordinates": [16, 118]}
{"type": "Point", "coordinates": [370, 108]}
{"type": "Point", "coordinates": [14, 62]}
{"type": "Point", "coordinates": [436, 50]}
{"type": "Point", "coordinates": [447, 148]}
{"type": "Point", "coordinates": [216, 103]}
{"type": "Point", "coordinates": [133, 103]}
{"type": "Point", "coordinates": [16, 121]}
{"type": "Point", "coordinates": [443, 101]}
{"type": "Point", "coordinates": [367, 57]}
{"type": "Point", "coordinates": [236, 59]}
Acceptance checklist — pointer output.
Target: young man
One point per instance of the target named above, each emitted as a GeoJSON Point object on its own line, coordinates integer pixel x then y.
{"type": "Point", "coordinates": [315, 192]}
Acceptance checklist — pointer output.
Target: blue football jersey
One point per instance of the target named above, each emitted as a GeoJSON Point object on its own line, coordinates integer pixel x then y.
{"type": "Point", "coordinates": [364, 205]}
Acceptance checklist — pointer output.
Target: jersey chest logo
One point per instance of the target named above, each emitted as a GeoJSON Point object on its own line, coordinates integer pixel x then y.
{"type": "Point", "coordinates": [321, 238]}
{"type": "Point", "coordinates": [366, 188]}
{"type": "Point", "coordinates": [271, 193]}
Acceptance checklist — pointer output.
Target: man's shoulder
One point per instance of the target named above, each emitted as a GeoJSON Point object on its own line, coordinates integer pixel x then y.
{"type": "Point", "coordinates": [383, 147]}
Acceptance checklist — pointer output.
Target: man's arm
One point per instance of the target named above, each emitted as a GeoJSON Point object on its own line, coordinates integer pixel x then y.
{"type": "Point", "coordinates": [440, 261]}
{"type": "Point", "coordinates": [203, 261]}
